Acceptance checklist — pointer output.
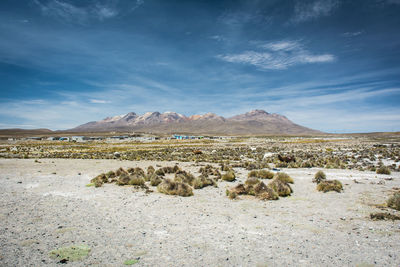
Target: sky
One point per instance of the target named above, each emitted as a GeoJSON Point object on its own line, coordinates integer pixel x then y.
{"type": "Point", "coordinates": [331, 65]}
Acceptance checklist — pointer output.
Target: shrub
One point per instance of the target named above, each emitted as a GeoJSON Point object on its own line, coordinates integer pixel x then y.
{"type": "Point", "coordinates": [383, 216]}
{"type": "Point", "coordinates": [394, 201]}
{"type": "Point", "coordinates": [319, 177]}
{"type": "Point", "coordinates": [184, 177]}
{"type": "Point", "coordinates": [231, 194]}
{"type": "Point", "coordinates": [239, 189]}
{"type": "Point", "coordinates": [281, 188]}
{"type": "Point", "coordinates": [306, 164]}
{"type": "Point", "coordinates": [164, 170]}
{"type": "Point", "coordinates": [225, 167]}
{"type": "Point", "coordinates": [262, 174]}
{"type": "Point", "coordinates": [330, 185]}
{"type": "Point", "coordinates": [99, 180]}
{"type": "Point", "coordinates": [383, 170]}
{"type": "Point", "coordinates": [98, 183]}
{"type": "Point", "coordinates": [284, 177]}
{"type": "Point", "coordinates": [155, 179]}
{"type": "Point", "coordinates": [253, 173]}
{"type": "Point", "coordinates": [260, 190]}
{"type": "Point", "coordinates": [120, 171]}
{"type": "Point", "coordinates": [255, 188]}
{"type": "Point", "coordinates": [136, 180]}
{"type": "Point", "coordinates": [229, 176]}
{"type": "Point", "coordinates": [203, 181]}
{"type": "Point", "coordinates": [252, 181]}
{"type": "Point", "coordinates": [160, 172]}
{"type": "Point", "coordinates": [110, 174]}
{"type": "Point", "coordinates": [170, 187]}
{"type": "Point", "coordinates": [123, 179]}
{"type": "Point", "coordinates": [210, 170]}
{"type": "Point", "coordinates": [150, 170]}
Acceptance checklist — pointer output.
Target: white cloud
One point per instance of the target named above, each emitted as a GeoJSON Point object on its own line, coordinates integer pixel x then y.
{"type": "Point", "coordinates": [352, 34]}
{"type": "Point", "coordinates": [306, 11]}
{"type": "Point", "coordinates": [63, 11]}
{"type": "Point", "coordinates": [278, 55]}
{"type": "Point", "coordinates": [98, 101]}
{"type": "Point", "coordinates": [282, 45]}
{"type": "Point", "coordinates": [104, 12]}
{"type": "Point", "coordinates": [66, 11]}
{"type": "Point", "coordinates": [239, 18]}
{"type": "Point", "coordinates": [218, 38]}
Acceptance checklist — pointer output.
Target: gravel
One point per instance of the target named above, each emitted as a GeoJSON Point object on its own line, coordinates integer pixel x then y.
{"type": "Point", "coordinates": [41, 211]}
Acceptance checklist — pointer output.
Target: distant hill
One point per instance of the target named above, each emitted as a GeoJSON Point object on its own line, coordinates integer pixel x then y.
{"type": "Point", "coordinates": [23, 132]}
{"type": "Point", "coordinates": [256, 122]}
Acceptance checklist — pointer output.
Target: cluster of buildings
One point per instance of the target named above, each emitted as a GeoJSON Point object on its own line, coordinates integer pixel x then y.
{"type": "Point", "coordinates": [118, 138]}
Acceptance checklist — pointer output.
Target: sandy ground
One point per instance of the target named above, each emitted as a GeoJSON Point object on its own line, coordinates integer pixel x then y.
{"type": "Point", "coordinates": [46, 205]}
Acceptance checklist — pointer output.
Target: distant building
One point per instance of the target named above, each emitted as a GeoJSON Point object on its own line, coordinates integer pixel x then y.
{"type": "Point", "coordinates": [79, 138]}
{"type": "Point", "coordinates": [186, 137]}
{"type": "Point", "coordinates": [34, 138]}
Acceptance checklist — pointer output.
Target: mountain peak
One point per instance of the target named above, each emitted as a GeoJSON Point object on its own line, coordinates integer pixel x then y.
{"type": "Point", "coordinates": [257, 112]}
{"type": "Point", "coordinates": [253, 122]}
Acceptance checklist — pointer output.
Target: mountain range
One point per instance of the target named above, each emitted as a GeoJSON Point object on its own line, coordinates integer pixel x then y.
{"type": "Point", "coordinates": [255, 122]}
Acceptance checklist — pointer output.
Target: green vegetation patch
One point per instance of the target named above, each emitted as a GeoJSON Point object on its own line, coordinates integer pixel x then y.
{"type": "Point", "coordinates": [72, 253]}
{"type": "Point", "coordinates": [130, 262]}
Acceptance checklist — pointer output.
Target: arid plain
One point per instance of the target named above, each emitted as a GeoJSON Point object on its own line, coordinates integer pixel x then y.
{"type": "Point", "coordinates": [50, 201]}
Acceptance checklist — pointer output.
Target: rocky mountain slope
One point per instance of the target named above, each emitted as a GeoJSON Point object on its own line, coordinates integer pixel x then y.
{"type": "Point", "coordinates": [256, 122]}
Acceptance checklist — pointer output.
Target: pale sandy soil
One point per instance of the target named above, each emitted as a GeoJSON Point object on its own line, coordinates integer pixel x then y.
{"type": "Point", "coordinates": [41, 211]}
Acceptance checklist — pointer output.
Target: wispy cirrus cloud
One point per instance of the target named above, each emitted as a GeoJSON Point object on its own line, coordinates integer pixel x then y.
{"type": "Point", "coordinates": [278, 56]}
{"type": "Point", "coordinates": [240, 17]}
{"type": "Point", "coordinates": [68, 12]}
{"type": "Point", "coordinates": [352, 34]}
{"type": "Point", "coordinates": [98, 101]}
{"type": "Point", "coordinates": [306, 11]}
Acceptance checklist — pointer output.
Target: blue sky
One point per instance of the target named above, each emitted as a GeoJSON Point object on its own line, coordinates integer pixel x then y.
{"type": "Point", "coordinates": [330, 65]}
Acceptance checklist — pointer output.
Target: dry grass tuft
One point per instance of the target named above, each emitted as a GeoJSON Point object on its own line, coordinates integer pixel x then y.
{"type": "Point", "coordinates": [111, 174]}
{"type": "Point", "coordinates": [252, 181]}
{"type": "Point", "coordinates": [281, 188]}
{"type": "Point", "coordinates": [383, 170]}
{"type": "Point", "coordinates": [231, 194]}
{"type": "Point", "coordinates": [165, 170]}
{"type": "Point", "coordinates": [99, 180]}
{"type": "Point", "coordinates": [259, 190]}
{"type": "Point", "coordinates": [239, 189]}
{"type": "Point", "coordinates": [123, 179]}
{"type": "Point", "coordinates": [330, 185]}
{"type": "Point", "coordinates": [262, 174]}
{"type": "Point", "coordinates": [170, 187]}
{"type": "Point", "coordinates": [284, 177]}
{"type": "Point", "coordinates": [210, 170]}
{"type": "Point", "coordinates": [184, 177]}
{"type": "Point", "coordinates": [229, 176]}
{"type": "Point", "coordinates": [155, 179]}
{"type": "Point", "coordinates": [319, 177]}
{"type": "Point", "coordinates": [120, 171]}
{"type": "Point", "coordinates": [203, 181]}
{"type": "Point", "coordinates": [394, 201]}
{"type": "Point", "coordinates": [136, 180]}
{"type": "Point", "coordinates": [383, 216]}
{"type": "Point", "coordinates": [150, 170]}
